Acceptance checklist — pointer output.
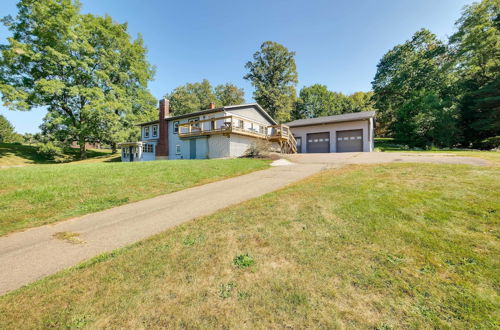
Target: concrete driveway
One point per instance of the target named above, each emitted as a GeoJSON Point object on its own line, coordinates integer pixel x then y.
{"type": "Point", "coordinates": [348, 158]}
{"type": "Point", "coordinates": [35, 253]}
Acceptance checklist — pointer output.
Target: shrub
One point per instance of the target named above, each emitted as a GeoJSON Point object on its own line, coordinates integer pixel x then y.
{"type": "Point", "coordinates": [50, 151]}
{"type": "Point", "coordinates": [243, 261]}
{"type": "Point", "coordinates": [489, 143]}
{"type": "Point", "coordinates": [259, 149]}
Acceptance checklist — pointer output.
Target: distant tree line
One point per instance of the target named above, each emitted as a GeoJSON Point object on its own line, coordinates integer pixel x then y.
{"type": "Point", "coordinates": [273, 74]}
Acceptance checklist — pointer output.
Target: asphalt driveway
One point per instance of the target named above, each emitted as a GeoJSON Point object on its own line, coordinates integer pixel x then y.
{"type": "Point", "coordinates": [35, 253]}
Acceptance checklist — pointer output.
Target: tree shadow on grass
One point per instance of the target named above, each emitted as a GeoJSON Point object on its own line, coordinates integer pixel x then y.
{"type": "Point", "coordinates": [10, 150]}
{"type": "Point", "coordinates": [30, 155]}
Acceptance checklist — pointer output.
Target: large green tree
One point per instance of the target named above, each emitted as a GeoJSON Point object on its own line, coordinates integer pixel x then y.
{"type": "Point", "coordinates": [475, 49]}
{"type": "Point", "coordinates": [229, 94]}
{"type": "Point", "coordinates": [414, 93]}
{"type": "Point", "coordinates": [273, 73]}
{"type": "Point", "coordinates": [198, 96]}
{"type": "Point", "coordinates": [85, 69]}
{"type": "Point", "coordinates": [7, 132]}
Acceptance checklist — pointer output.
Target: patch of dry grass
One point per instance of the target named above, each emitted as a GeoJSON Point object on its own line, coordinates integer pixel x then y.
{"type": "Point", "coordinates": [69, 237]}
{"type": "Point", "coordinates": [392, 246]}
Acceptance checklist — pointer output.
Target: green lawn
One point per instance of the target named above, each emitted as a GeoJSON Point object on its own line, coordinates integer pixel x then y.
{"type": "Point", "coordinates": [388, 145]}
{"type": "Point", "coordinates": [12, 154]}
{"type": "Point", "coordinates": [380, 247]}
{"type": "Point", "coordinates": [35, 195]}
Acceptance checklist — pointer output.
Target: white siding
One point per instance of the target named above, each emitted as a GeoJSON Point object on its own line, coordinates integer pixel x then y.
{"type": "Point", "coordinates": [219, 146]}
{"type": "Point", "coordinates": [240, 144]}
{"type": "Point", "coordinates": [250, 113]}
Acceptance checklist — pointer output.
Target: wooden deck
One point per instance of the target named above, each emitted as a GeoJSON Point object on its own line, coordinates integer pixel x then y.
{"type": "Point", "coordinates": [242, 126]}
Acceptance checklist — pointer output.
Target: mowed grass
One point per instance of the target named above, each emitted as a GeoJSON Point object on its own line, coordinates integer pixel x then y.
{"type": "Point", "coordinates": [387, 145]}
{"type": "Point", "coordinates": [12, 154]}
{"type": "Point", "coordinates": [391, 246]}
{"type": "Point", "coordinates": [35, 195]}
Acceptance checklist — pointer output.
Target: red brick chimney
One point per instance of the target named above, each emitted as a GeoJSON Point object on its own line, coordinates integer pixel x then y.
{"type": "Point", "coordinates": [162, 145]}
{"type": "Point", "coordinates": [212, 105]}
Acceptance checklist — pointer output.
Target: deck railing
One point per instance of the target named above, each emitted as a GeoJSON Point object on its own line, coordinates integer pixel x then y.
{"type": "Point", "coordinates": [238, 125]}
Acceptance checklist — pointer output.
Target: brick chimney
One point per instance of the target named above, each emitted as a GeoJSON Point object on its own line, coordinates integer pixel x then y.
{"type": "Point", "coordinates": [212, 105]}
{"type": "Point", "coordinates": [162, 145]}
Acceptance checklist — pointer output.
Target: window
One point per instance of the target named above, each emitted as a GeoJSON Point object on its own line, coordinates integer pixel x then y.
{"type": "Point", "coordinates": [146, 132]}
{"type": "Point", "coordinates": [178, 149]}
{"type": "Point", "coordinates": [240, 123]}
{"type": "Point", "coordinates": [155, 130]}
{"type": "Point", "coordinates": [194, 122]}
{"type": "Point", "coordinates": [147, 147]}
{"type": "Point", "coordinates": [176, 127]}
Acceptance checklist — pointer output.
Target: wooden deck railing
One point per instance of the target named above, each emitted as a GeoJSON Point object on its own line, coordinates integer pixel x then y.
{"type": "Point", "coordinates": [242, 126]}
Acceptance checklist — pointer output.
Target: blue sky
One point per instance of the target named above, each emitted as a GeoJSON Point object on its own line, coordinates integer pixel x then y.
{"type": "Point", "coordinates": [338, 43]}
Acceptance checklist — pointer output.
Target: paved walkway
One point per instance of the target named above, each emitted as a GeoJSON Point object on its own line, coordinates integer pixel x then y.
{"type": "Point", "coordinates": [35, 253]}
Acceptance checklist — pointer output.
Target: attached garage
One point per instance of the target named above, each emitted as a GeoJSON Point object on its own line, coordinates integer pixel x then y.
{"type": "Point", "coordinates": [352, 132]}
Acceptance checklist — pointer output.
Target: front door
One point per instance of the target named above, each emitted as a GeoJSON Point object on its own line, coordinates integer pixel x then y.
{"type": "Point", "coordinates": [192, 149]}
{"type": "Point", "coordinates": [318, 142]}
{"type": "Point", "coordinates": [350, 141]}
{"type": "Point", "coordinates": [131, 152]}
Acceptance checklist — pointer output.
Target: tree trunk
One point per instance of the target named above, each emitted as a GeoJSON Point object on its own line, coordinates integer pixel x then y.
{"type": "Point", "coordinates": [83, 150]}
{"type": "Point", "coordinates": [113, 147]}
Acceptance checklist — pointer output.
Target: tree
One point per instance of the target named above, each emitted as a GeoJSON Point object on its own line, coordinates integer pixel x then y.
{"type": "Point", "coordinates": [273, 73]}
{"type": "Point", "coordinates": [475, 52]}
{"type": "Point", "coordinates": [191, 97]}
{"type": "Point", "coordinates": [361, 101]}
{"type": "Point", "coordinates": [414, 84]}
{"type": "Point", "coordinates": [85, 69]}
{"type": "Point", "coordinates": [7, 132]}
{"type": "Point", "coordinates": [198, 96]}
{"type": "Point", "coordinates": [317, 100]}
{"type": "Point", "coordinates": [229, 94]}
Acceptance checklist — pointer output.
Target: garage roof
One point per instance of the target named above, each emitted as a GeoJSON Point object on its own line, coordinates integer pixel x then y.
{"type": "Point", "coordinates": [332, 119]}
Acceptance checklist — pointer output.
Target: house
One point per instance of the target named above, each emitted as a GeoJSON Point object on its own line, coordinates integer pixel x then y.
{"type": "Point", "coordinates": [350, 132]}
{"type": "Point", "coordinates": [221, 132]}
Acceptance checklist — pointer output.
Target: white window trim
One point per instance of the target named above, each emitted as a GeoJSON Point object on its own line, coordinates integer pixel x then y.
{"type": "Point", "coordinates": [146, 129]}
{"type": "Point", "coordinates": [177, 149]}
{"type": "Point", "coordinates": [154, 128]}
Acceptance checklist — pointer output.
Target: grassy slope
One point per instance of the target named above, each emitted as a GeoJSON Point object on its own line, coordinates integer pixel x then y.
{"type": "Point", "coordinates": [17, 154]}
{"type": "Point", "coordinates": [398, 245]}
{"type": "Point", "coordinates": [35, 195]}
